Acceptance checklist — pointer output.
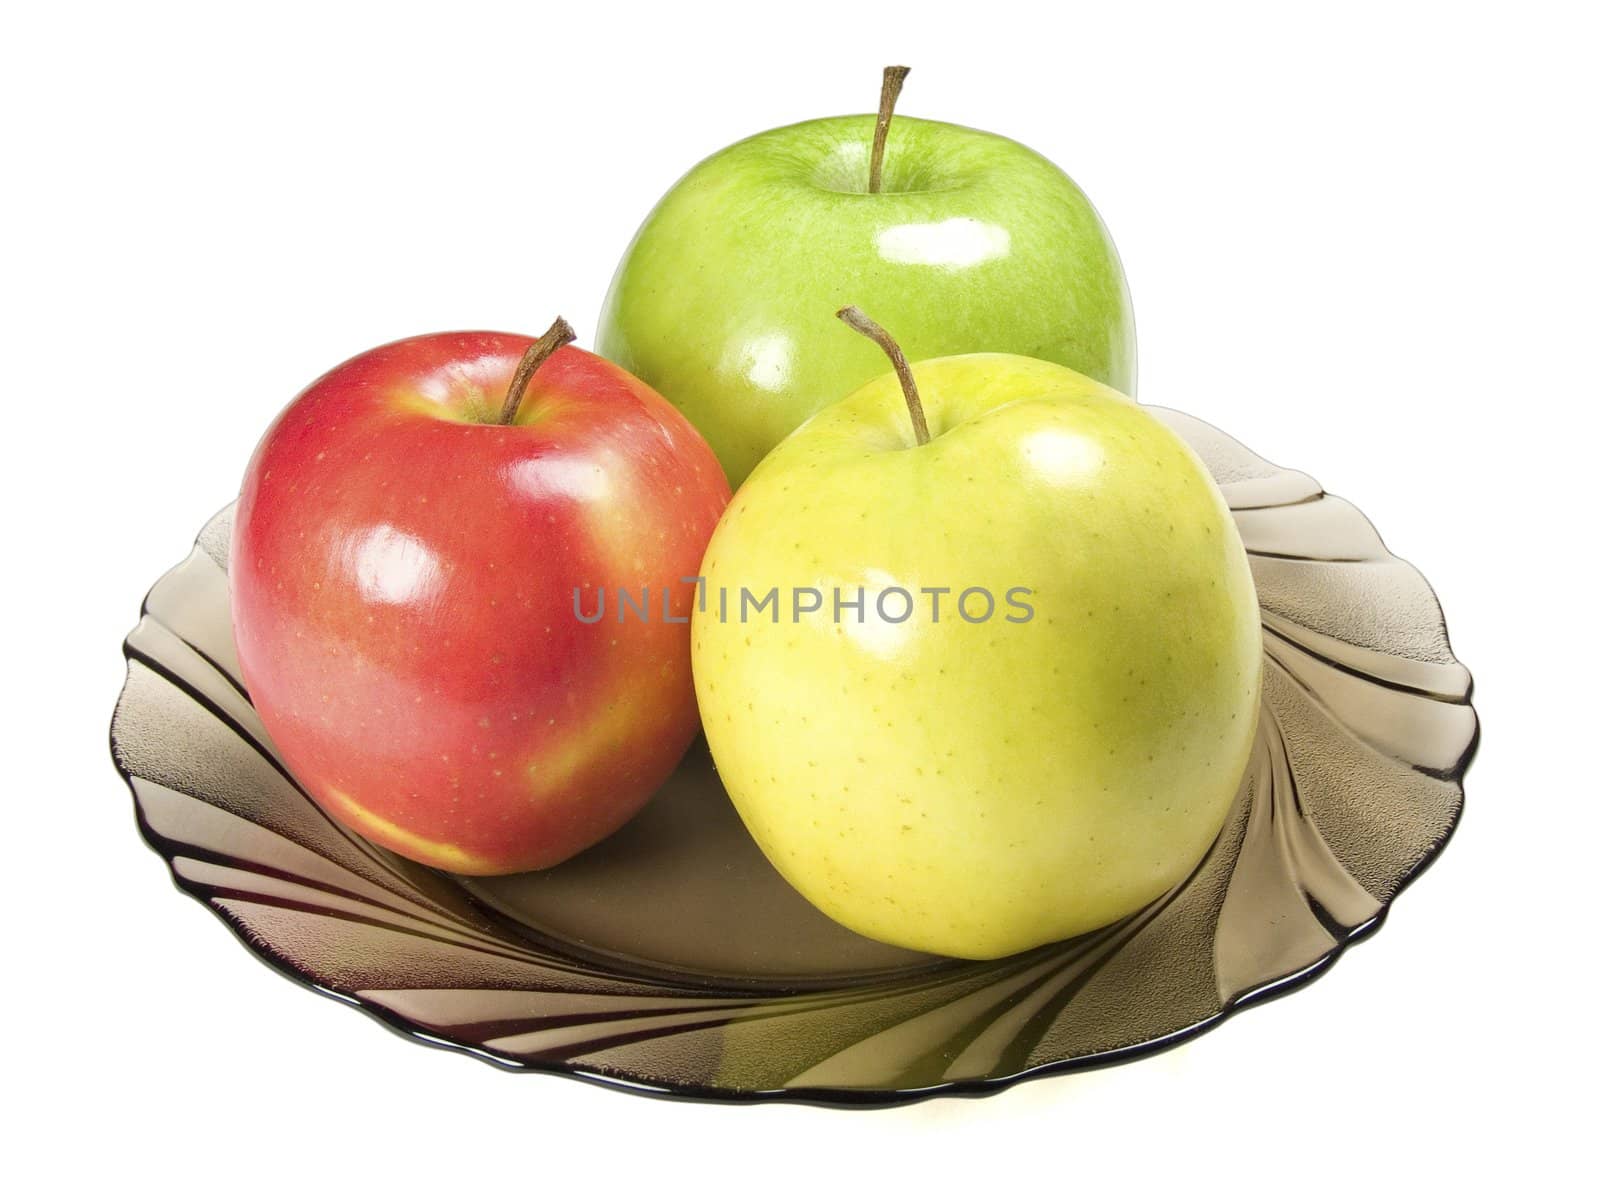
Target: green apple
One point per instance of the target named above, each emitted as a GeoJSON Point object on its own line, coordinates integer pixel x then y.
{"type": "Point", "coordinates": [724, 300]}
{"type": "Point", "coordinates": [965, 782]}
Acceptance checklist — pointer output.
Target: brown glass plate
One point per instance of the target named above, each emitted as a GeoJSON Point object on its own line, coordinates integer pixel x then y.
{"type": "Point", "coordinates": [672, 959]}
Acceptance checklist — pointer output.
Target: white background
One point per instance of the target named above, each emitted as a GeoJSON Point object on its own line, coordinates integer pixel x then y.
{"type": "Point", "coordinates": [1360, 238]}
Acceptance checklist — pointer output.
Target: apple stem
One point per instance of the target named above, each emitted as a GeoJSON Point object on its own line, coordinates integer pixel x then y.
{"type": "Point", "coordinates": [863, 324]}
{"type": "Point", "coordinates": [893, 78]}
{"type": "Point", "coordinates": [557, 336]}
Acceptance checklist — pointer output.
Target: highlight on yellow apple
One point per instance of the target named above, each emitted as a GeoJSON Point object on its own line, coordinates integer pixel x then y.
{"type": "Point", "coordinates": [978, 655]}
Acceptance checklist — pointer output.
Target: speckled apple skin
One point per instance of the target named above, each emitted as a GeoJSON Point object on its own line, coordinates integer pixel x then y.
{"type": "Point", "coordinates": [977, 789]}
{"type": "Point", "coordinates": [724, 301]}
{"type": "Point", "coordinates": [402, 580]}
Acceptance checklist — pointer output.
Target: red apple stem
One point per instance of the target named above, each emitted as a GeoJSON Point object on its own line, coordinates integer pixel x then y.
{"type": "Point", "coordinates": [863, 324]}
{"type": "Point", "coordinates": [557, 336]}
{"type": "Point", "coordinates": [893, 79]}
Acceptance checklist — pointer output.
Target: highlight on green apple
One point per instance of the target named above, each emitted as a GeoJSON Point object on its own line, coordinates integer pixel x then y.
{"type": "Point", "coordinates": [960, 241]}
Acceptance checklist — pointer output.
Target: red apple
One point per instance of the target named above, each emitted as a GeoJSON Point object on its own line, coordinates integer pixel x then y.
{"type": "Point", "coordinates": [402, 579]}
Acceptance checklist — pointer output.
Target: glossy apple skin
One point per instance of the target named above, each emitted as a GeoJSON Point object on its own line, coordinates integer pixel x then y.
{"type": "Point", "coordinates": [724, 302]}
{"type": "Point", "coordinates": [402, 583]}
{"type": "Point", "coordinates": [978, 789]}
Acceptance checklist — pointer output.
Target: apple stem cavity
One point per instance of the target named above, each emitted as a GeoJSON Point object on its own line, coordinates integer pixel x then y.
{"type": "Point", "coordinates": [893, 79]}
{"type": "Point", "coordinates": [557, 336]}
{"type": "Point", "coordinates": [865, 325]}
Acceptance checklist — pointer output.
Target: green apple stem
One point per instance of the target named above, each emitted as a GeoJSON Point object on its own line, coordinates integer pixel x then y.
{"type": "Point", "coordinates": [893, 78]}
{"type": "Point", "coordinates": [557, 336]}
{"type": "Point", "coordinates": [863, 324]}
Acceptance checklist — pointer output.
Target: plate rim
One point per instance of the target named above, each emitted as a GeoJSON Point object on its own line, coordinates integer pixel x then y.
{"type": "Point", "coordinates": [824, 1097]}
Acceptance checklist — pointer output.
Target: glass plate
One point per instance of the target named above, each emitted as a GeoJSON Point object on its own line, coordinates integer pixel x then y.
{"type": "Point", "coordinates": [672, 959]}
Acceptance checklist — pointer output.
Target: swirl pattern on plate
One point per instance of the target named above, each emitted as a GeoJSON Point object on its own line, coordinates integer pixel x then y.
{"type": "Point", "coordinates": [1353, 787]}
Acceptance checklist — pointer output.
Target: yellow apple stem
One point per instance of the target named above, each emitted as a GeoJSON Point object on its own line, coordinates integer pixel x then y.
{"type": "Point", "coordinates": [863, 324]}
{"type": "Point", "coordinates": [557, 336]}
{"type": "Point", "coordinates": [893, 78]}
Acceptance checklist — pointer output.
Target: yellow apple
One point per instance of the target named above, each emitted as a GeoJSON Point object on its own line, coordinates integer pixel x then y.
{"type": "Point", "coordinates": [970, 776]}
